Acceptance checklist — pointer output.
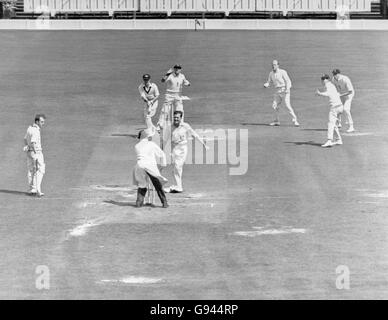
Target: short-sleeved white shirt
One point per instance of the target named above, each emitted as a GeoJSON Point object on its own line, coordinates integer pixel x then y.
{"type": "Point", "coordinates": [175, 83]}
{"type": "Point", "coordinates": [33, 135]}
{"type": "Point", "coordinates": [148, 92]}
{"type": "Point", "coordinates": [181, 134]}
{"type": "Point", "coordinates": [343, 84]}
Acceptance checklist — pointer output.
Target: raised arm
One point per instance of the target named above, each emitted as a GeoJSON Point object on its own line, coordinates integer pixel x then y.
{"type": "Point", "coordinates": [167, 74]}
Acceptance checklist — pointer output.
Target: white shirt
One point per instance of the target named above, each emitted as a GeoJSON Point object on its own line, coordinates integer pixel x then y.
{"type": "Point", "coordinates": [175, 83]}
{"type": "Point", "coordinates": [33, 135]}
{"type": "Point", "coordinates": [149, 92]}
{"type": "Point", "coordinates": [181, 134]}
{"type": "Point", "coordinates": [279, 79]}
{"type": "Point", "coordinates": [148, 154]}
{"type": "Point", "coordinates": [333, 94]}
{"type": "Point", "coordinates": [343, 84]}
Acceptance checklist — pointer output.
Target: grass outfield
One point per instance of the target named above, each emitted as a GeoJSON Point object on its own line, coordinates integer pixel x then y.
{"type": "Point", "coordinates": [280, 231]}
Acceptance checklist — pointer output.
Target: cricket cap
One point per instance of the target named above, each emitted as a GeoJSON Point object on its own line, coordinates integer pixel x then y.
{"type": "Point", "coordinates": [146, 133]}
{"type": "Point", "coordinates": [146, 76]}
{"type": "Point", "coordinates": [177, 66]}
{"type": "Point", "coordinates": [336, 71]}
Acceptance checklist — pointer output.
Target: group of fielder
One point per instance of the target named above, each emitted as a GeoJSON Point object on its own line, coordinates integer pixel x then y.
{"type": "Point", "coordinates": [338, 89]}
{"type": "Point", "coordinates": [175, 132]}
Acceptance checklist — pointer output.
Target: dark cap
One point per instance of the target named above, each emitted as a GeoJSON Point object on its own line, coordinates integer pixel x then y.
{"type": "Point", "coordinates": [325, 77]}
{"type": "Point", "coordinates": [146, 76]}
{"type": "Point", "coordinates": [336, 71]}
{"type": "Point", "coordinates": [177, 66]}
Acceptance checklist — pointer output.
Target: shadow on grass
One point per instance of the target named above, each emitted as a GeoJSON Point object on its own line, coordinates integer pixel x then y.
{"type": "Point", "coordinates": [314, 129]}
{"type": "Point", "coordinates": [124, 135]}
{"type": "Point", "coordinates": [120, 203]}
{"type": "Point", "coordinates": [267, 125]}
{"type": "Point", "coordinates": [18, 193]}
{"type": "Point", "coordinates": [255, 124]}
{"type": "Point", "coordinates": [304, 143]}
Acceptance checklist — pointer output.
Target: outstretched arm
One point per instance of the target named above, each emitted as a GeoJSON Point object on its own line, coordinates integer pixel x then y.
{"type": "Point", "coordinates": [196, 136]}
{"type": "Point", "coordinates": [321, 93]}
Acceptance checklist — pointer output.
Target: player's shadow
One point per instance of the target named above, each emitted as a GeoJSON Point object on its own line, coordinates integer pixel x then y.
{"type": "Point", "coordinates": [314, 129]}
{"type": "Point", "coordinates": [255, 124]}
{"type": "Point", "coordinates": [265, 124]}
{"type": "Point", "coordinates": [124, 135]}
{"type": "Point", "coordinates": [120, 203]}
{"type": "Point", "coordinates": [15, 192]}
{"type": "Point", "coordinates": [304, 143]}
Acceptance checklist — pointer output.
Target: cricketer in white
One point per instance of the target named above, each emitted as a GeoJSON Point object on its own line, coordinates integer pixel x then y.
{"type": "Point", "coordinates": [148, 154]}
{"type": "Point", "coordinates": [346, 90]}
{"type": "Point", "coordinates": [149, 93]}
{"type": "Point", "coordinates": [279, 79]}
{"type": "Point", "coordinates": [180, 134]}
{"type": "Point", "coordinates": [35, 161]}
{"type": "Point", "coordinates": [336, 108]}
{"type": "Point", "coordinates": [175, 80]}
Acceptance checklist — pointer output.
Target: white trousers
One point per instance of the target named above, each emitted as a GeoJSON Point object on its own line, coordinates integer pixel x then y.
{"type": "Point", "coordinates": [347, 102]}
{"type": "Point", "coordinates": [149, 112]}
{"type": "Point", "coordinates": [278, 98]}
{"type": "Point", "coordinates": [332, 126]}
{"type": "Point", "coordinates": [179, 155]}
{"type": "Point", "coordinates": [36, 169]}
{"type": "Point", "coordinates": [173, 101]}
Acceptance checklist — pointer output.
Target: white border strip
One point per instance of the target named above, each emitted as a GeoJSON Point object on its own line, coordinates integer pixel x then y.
{"type": "Point", "coordinates": [189, 24]}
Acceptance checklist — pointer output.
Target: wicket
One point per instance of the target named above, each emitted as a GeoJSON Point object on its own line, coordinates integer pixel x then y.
{"type": "Point", "coordinates": [150, 195]}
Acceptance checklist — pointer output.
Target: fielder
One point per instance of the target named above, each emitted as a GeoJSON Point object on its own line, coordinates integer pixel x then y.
{"type": "Point", "coordinates": [279, 79]}
{"type": "Point", "coordinates": [148, 154]}
{"type": "Point", "coordinates": [35, 160]}
{"type": "Point", "coordinates": [336, 108]}
{"type": "Point", "coordinates": [345, 88]}
{"type": "Point", "coordinates": [175, 80]}
{"type": "Point", "coordinates": [149, 93]}
{"type": "Point", "coordinates": [180, 134]}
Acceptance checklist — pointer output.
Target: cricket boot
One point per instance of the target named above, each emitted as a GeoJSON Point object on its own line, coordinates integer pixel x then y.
{"type": "Point", "coordinates": [162, 197]}
{"type": "Point", "coordinates": [141, 192]}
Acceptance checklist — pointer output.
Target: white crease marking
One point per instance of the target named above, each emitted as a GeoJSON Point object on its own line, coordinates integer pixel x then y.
{"type": "Point", "coordinates": [261, 231]}
{"type": "Point", "coordinates": [111, 188]}
{"type": "Point", "coordinates": [133, 280]}
{"type": "Point", "coordinates": [359, 134]}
